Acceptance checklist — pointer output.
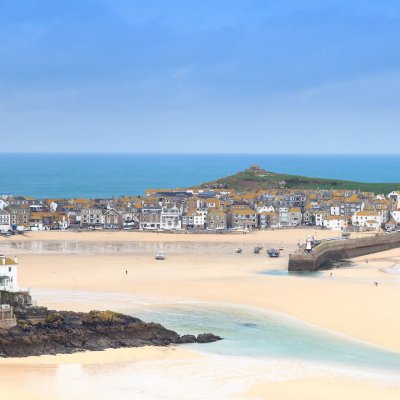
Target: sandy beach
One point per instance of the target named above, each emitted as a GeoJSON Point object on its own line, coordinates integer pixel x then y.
{"type": "Point", "coordinates": [327, 388]}
{"type": "Point", "coordinates": [205, 268]}
{"type": "Point", "coordinates": [278, 236]}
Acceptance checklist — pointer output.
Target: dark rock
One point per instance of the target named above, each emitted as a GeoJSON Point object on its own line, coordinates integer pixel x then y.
{"type": "Point", "coordinates": [249, 325]}
{"type": "Point", "coordinates": [207, 338]}
{"type": "Point", "coordinates": [73, 321]}
{"type": "Point", "coordinates": [188, 339]}
{"type": "Point", "coordinates": [42, 331]}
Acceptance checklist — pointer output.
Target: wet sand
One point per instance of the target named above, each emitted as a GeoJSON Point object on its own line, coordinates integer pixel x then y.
{"type": "Point", "coordinates": [347, 302]}
{"type": "Point", "coordinates": [206, 268]}
{"type": "Point", "coordinates": [323, 388]}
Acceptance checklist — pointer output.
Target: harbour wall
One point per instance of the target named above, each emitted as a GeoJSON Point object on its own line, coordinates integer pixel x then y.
{"type": "Point", "coordinates": [341, 249]}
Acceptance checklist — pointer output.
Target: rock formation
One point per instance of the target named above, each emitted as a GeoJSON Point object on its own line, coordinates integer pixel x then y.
{"type": "Point", "coordinates": [41, 331]}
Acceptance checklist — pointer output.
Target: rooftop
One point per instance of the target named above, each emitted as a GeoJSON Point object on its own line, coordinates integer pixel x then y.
{"type": "Point", "coordinates": [9, 261]}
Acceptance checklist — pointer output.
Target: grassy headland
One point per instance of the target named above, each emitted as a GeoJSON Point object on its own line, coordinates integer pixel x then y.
{"type": "Point", "coordinates": [254, 179]}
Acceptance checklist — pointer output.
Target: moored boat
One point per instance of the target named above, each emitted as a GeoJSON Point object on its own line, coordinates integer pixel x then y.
{"type": "Point", "coordinates": [160, 256]}
{"type": "Point", "coordinates": [257, 250]}
{"type": "Point", "coordinates": [273, 252]}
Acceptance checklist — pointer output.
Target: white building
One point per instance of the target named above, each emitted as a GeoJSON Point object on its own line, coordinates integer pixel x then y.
{"type": "Point", "coordinates": [396, 216]}
{"type": "Point", "coordinates": [395, 198]}
{"type": "Point", "coordinates": [265, 209]}
{"type": "Point", "coordinates": [36, 207]}
{"type": "Point", "coordinates": [320, 217]}
{"type": "Point", "coordinates": [8, 274]}
{"type": "Point", "coordinates": [335, 210]}
{"type": "Point", "coordinates": [367, 219]}
{"type": "Point", "coordinates": [199, 220]}
{"type": "Point", "coordinates": [3, 204]}
{"type": "Point", "coordinates": [283, 216]}
{"type": "Point", "coordinates": [335, 222]}
{"type": "Point", "coordinates": [5, 220]}
{"type": "Point", "coordinates": [170, 219]}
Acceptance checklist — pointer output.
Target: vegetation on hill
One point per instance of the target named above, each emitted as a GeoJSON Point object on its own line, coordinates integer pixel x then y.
{"type": "Point", "coordinates": [255, 178]}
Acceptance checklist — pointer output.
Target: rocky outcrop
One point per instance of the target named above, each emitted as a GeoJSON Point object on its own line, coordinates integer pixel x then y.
{"type": "Point", "coordinates": [207, 338]}
{"type": "Point", "coordinates": [33, 315]}
{"type": "Point", "coordinates": [15, 299]}
{"type": "Point", "coordinates": [70, 332]}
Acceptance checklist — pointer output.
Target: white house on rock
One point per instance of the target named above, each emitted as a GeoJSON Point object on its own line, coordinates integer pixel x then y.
{"type": "Point", "coordinates": [9, 274]}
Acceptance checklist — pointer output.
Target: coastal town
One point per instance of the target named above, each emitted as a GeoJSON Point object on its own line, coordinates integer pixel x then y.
{"type": "Point", "coordinates": [208, 208]}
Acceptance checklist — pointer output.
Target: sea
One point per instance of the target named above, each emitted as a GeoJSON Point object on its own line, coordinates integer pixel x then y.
{"type": "Point", "coordinates": [258, 345]}
{"type": "Point", "coordinates": [107, 175]}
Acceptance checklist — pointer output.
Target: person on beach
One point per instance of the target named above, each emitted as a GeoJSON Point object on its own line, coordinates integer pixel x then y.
{"type": "Point", "coordinates": [376, 283]}
{"type": "Point", "coordinates": [126, 272]}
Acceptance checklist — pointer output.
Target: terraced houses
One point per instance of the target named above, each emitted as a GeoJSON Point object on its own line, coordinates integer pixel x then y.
{"type": "Point", "coordinates": [211, 209]}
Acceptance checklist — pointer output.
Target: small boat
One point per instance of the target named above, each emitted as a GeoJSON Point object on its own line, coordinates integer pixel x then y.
{"type": "Point", "coordinates": [257, 249]}
{"type": "Point", "coordinates": [273, 252]}
{"type": "Point", "coordinates": [238, 250]}
{"type": "Point", "coordinates": [160, 256]}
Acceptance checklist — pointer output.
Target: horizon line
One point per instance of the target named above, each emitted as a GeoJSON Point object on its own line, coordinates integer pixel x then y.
{"type": "Point", "coordinates": [191, 154]}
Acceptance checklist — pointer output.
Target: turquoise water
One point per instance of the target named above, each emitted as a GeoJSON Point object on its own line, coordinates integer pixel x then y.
{"type": "Point", "coordinates": [106, 175]}
{"type": "Point", "coordinates": [248, 332]}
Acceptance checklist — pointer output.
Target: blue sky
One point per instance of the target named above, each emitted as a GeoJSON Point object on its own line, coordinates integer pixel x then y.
{"type": "Point", "coordinates": [240, 76]}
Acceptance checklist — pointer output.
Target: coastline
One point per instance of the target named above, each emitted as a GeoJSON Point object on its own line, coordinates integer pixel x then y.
{"type": "Point", "coordinates": [224, 277]}
{"type": "Point", "coordinates": [253, 236]}
{"type": "Point", "coordinates": [344, 303]}
{"type": "Point", "coordinates": [109, 356]}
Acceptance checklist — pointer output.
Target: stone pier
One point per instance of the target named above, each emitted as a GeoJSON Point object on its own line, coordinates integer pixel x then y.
{"type": "Point", "coordinates": [342, 249]}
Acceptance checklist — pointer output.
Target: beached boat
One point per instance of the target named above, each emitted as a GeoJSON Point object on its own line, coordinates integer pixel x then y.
{"type": "Point", "coordinates": [273, 252]}
{"type": "Point", "coordinates": [257, 249]}
{"type": "Point", "coordinates": [238, 250]}
{"type": "Point", "coordinates": [160, 256]}
{"type": "Point", "coordinates": [345, 233]}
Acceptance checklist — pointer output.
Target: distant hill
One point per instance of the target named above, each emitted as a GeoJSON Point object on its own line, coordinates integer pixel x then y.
{"type": "Point", "coordinates": [256, 178]}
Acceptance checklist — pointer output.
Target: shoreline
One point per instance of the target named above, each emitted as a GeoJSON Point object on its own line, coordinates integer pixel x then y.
{"type": "Point", "coordinates": [107, 356]}
{"type": "Point", "coordinates": [236, 280]}
{"type": "Point", "coordinates": [251, 236]}
{"type": "Point", "coordinates": [262, 378]}
{"type": "Point", "coordinates": [206, 269]}
{"type": "Point", "coordinates": [245, 308]}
